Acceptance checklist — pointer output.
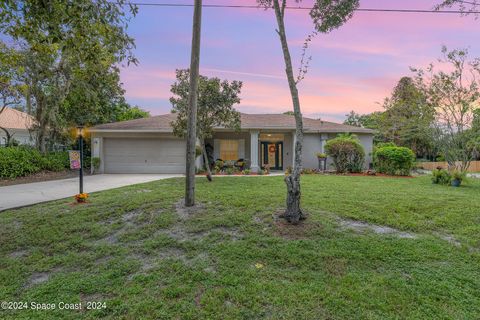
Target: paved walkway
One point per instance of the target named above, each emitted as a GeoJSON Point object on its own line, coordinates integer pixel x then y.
{"type": "Point", "coordinates": [21, 195]}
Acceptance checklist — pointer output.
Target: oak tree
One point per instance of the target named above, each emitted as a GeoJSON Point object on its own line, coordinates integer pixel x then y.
{"type": "Point", "coordinates": [215, 107]}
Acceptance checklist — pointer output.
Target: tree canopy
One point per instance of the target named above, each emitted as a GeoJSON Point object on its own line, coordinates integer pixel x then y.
{"type": "Point", "coordinates": [70, 53]}
{"type": "Point", "coordinates": [216, 99]}
{"type": "Point", "coordinates": [408, 118]}
{"type": "Point", "coordinates": [455, 95]}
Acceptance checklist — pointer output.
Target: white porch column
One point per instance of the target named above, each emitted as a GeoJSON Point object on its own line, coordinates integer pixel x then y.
{"type": "Point", "coordinates": [254, 150]}
{"type": "Point", "coordinates": [199, 160]}
{"type": "Point", "coordinates": [323, 139]}
{"type": "Point", "coordinates": [97, 151]}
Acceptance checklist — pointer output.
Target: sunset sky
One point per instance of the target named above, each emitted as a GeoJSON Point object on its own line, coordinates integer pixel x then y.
{"type": "Point", "coordinates": [353, 68]}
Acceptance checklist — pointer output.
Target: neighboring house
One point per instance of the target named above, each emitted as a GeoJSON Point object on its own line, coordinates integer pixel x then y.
{"type": "Point", "coordinates": [18, 124]}
{"type": "Point", "coordinates": [149, 146]}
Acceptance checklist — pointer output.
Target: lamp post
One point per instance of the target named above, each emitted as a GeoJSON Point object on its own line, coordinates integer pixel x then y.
{"type": "Point", "coordinates": [80, 143]}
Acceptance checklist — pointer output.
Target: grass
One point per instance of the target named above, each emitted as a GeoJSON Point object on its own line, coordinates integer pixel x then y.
{"type": "Point", "coordinates": [136, 250]}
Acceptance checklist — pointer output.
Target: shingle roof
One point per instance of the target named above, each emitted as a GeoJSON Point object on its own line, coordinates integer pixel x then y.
{"type": "Point", "coordinates": [248, 121]}
{"type": "Point", "coordinates": [14, 119]}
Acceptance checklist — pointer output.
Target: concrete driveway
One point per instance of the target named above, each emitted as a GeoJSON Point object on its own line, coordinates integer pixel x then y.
{"type": "Point", "coordinates": [21, 195]}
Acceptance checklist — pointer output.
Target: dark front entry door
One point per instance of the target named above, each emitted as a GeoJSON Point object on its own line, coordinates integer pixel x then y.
{"type": "Point", "coordinates": [272, 154]}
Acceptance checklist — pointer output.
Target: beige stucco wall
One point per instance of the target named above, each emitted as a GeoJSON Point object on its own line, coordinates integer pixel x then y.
{"type": "Point", "coordinates": [313, 143]}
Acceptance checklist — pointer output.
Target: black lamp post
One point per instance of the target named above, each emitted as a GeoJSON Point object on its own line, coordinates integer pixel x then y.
{"type": "Point", "coordinates": [80, 143]}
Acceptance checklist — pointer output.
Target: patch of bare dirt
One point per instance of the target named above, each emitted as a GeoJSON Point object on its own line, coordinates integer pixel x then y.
{"type": "Point", "coordinates": [129, 222]}
{"type": "Point", "coordinates": [109, 239]}
{"type": "Point", "coordinates": [186, 212]}
{"type": "Point", "coordinates": [286, 230]}
{"type": "Point", "coordinates": [148, 262]}
{"type": "Point", "coordinates": [363, 226]}
{"type": "Point", "coordinates": [103, 260]}
{"type": "Point", "coordinates": [42, 176]}
{"type": "Point", "coordinates": [18, 254]}
{"type": "Point", "coordinates": [450, 239]}
{"type": "Point", "coordinates": [40, 277]}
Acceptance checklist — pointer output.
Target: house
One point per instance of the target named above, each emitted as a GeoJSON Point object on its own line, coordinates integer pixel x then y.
{"type": "Point", "coordinates": [149, 146]}
{"type": "Point", "coordinates": [18, 125]}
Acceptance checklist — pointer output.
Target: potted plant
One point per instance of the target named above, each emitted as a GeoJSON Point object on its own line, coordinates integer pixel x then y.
{"type": "Point", "coordinates": [457, 178]}
{"type": "Point", "coordinates": [95, 164]}
{"type": "Point", "coordinates": [322, 160]}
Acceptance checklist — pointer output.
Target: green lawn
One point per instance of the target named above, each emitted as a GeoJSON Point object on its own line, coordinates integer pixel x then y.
{"type": "Point", "coordinates": [136, 250]}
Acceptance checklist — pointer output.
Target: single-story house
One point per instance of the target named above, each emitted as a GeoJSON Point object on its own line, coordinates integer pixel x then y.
{"type": "Point", "coordinates": [18, 124]}
{"type": "Point", "coordinates": [149, 146]}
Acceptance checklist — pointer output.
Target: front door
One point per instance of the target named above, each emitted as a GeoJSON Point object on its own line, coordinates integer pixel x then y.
{"type": "Point", "coordinates": [272, 155]}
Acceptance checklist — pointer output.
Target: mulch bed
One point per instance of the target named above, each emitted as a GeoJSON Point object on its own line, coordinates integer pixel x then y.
{"type": "Point", "coordinates": [42, 176]}
{"type": "Point", "coordinates": [383, 175]}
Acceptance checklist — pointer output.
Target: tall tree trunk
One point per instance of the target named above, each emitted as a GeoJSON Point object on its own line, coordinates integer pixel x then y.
{"type": "Point", "coordinates": [205, 160]}
{"type": "Point", "coordinates": [293, 212]}
{"type": "Point", "coordinates": [192, 112]}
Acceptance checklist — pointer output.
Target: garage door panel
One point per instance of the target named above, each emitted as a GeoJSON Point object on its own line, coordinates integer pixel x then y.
{"type": "Point", "coordinates": [141, 155]}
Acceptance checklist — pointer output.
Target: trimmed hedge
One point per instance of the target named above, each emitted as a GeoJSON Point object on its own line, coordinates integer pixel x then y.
{"type": "Point", "coordinates": [347, 153]}
{"type": "Point", "coordinates": [395, 161]}
{"type": "Point", "coordinates": [22, 161]}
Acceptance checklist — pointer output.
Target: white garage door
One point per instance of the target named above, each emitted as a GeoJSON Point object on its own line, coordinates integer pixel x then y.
{"type": "Point", "coordinates": [142, 155]}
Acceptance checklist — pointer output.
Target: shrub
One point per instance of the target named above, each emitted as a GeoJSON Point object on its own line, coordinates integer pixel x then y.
{"type": "Point", "coordinates": [392, 160]}
{"type": "Point", "coordinates": [347, 153]}
{"type": "Point", "coordinates": [95, 163]}
{"type": "Point", "coordinates": [246, 172]}
{"type": "Point", "coordinates": [441, 176]}
{"type": "Point", "coordinates": [56, 161]}
{"type": "Point", "coordinates": [21, 161]}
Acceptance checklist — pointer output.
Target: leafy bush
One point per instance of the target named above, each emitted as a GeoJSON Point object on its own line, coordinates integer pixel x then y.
{"type": "Point", "coordinates": [396, 161]}
{"type": "Point", "coordinates": [441, 176]}
{"type": "Point", "coordinates": [21, 161]}
{"type": "Point", "coordinates": [347, 153]}
{"type": "Point", "coordinates": [56, 161]}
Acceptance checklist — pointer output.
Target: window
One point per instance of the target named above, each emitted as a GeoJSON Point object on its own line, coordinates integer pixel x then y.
{"type": "Point", "coordinates": [229, 149]}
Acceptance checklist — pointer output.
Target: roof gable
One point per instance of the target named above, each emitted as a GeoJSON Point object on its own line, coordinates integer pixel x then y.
{"type": "Point", "coordinates": [14, 119]}
{"type": "Point", "coordinates": [162, 123]}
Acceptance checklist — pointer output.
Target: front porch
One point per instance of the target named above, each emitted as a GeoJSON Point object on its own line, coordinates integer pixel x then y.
{"type": "Point", "coordinates": [258, 148]}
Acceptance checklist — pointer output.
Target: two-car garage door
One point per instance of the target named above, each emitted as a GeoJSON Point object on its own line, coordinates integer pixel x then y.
{"type": "Point", "coordinates": [144, 155]}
